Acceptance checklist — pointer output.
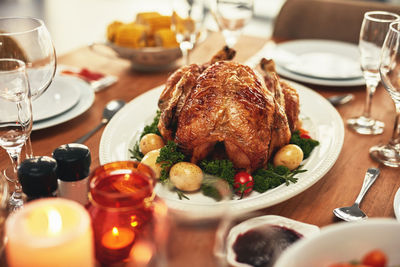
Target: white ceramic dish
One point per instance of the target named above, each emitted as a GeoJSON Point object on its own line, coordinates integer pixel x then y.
{"type": "Point", "coordinates": [58, 98]}
{"type": "Point", "coordinates": [284, 53]}
{"type": "Point", "coordinates": [146, 58]}
{"type": "Point", "coordinates": [85, 102]}
{"type": "Point", "coordinates": [344, 242]}
{"type": "Point", "coordinates": [320, 59]}
{"type": "Point", "coordinates": [396, 205]}
{"type": "Point", "coordinates": [306, 230]}
{"type": "Point", "coordinates": [123, 131]}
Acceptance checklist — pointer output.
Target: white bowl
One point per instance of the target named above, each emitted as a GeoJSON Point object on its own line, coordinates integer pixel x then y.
{"type": "Point", "coordinates": [344, 242]}
{"type": "Point", "coordinates": [146, 58]}
{"type": "Point", "coordinates": [306, 230]}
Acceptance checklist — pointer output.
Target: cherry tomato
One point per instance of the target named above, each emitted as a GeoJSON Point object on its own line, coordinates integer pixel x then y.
{"type": "Point", "coordinates": [305, 136]}
{"type": "Point", "coordinates": [375, 258]}
{"type": "Point", "coordinates": [243, 183]}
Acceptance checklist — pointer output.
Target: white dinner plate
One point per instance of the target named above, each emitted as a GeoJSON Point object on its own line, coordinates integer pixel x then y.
{"type": "Point", "coordinates": [319, 117]}
{"type": "Point", "coordinates": [86, 98]}
{"type": "Point", "coordinates": [396, 204]}
{"type": "Point", "coordinates": [284, 54]}
{"type": "Point", "coordinates": [320, 59]}
{"type": "Point", "coordinates": [58, 98]}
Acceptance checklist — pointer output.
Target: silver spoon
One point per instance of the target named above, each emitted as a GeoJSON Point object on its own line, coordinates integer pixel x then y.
{"type": "Point", "coordinates": [340, 99]}
{"type": "Point", "coordinates": [109, 111]}
{"type": "Point", "coordinates": [354, 213]}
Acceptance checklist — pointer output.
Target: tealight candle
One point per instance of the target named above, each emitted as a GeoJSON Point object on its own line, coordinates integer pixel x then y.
{"type": "Point", "coordinates": [50, 232]}
{"type": "Point", "coordinates": [118, 238]}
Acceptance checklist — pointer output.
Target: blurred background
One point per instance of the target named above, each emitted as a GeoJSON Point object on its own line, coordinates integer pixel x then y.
{"type": "Point", "coordinates": [74, 23]}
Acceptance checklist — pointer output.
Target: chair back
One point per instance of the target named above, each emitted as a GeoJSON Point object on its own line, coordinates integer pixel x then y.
{"type": "Point", "coordinates": [324, 19]}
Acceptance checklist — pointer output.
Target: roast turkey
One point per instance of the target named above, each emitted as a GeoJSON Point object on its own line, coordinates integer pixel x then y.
{"type": "Point", "coordinates": [228, 104]}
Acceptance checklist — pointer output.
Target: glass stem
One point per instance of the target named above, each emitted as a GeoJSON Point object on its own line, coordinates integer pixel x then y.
{"type": "Point", "coordinates": [395, 141]}
{"type": "Point", "coordinates": [14, 154]}
{"type": "Point", "coordinates": [28, 148]}
{"type": "Point", "coordinates": [185, 54]}
{"type": "Point", "coordinates": [368, 100]}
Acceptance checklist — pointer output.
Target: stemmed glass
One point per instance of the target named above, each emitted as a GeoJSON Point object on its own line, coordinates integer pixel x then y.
{"type": "Point", "coordinates": [187, 20]}
{"type": "Point", "coordinates": [389, 69]}
{"type": "Point", "coordinates": [372, 34]}
{"type": "Point", "coordinates": [28, 39]}
{"type": "Point", "coordinates": [15, 118]}
{"type": "Point", "coordinates": [232, 16]}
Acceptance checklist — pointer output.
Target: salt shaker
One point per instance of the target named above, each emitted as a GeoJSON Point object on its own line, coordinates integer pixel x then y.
{"type": "Point", "coordinates": [73, 167]}
{"type": "Point", "coordinates": [38, 178]}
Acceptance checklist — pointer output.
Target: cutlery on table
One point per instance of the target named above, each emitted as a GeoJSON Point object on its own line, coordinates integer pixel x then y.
{"type": "Point", "coordinates": [109, 111]}
{"type": "Point", "coordinates": [354, 213]}
{"type": "Point", "coordinates": [340, 99]}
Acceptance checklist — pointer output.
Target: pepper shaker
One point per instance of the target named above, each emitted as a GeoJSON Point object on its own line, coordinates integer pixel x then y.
{"type": "Point", "coordinates": [73, 167]}
{"type": "Point", "coordinates": [38, 178]}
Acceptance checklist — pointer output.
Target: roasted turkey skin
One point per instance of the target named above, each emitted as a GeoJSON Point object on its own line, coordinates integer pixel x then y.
{"type": "Point", "coordinates": [230, 104]}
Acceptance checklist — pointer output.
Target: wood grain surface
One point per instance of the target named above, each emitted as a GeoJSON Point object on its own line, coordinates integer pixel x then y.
{"type": "Point", "coordinates": [191, 244]}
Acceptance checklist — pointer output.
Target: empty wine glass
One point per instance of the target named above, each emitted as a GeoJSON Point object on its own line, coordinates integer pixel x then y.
{"type": "Point", "coordinates": [232, 16]}
{"type": "Point", "coordinates": [372, 34]}
{"type": "Point", "coordinates": [187, 20]}
{"type": "Point", "coordinates": [28, 39]}
{"type": "Point", "coordinates": [15, 119]}
{"type": "Point", "coordinates": [389, 69]}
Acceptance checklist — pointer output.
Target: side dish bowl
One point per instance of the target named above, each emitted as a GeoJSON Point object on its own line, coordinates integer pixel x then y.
{"type": "Point", "coordinates": [145, 59]}
{"type": "Point", "coordinates": [345, 242]}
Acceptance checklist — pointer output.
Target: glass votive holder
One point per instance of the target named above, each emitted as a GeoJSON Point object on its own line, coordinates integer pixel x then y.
{"type": "Point", "coordinates": [121, 206]}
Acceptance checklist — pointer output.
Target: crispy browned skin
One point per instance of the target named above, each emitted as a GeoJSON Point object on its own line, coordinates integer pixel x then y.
{"type": "Point", "coordinates": [226, 104]}
{"type": "Point", "coordinates": [282, 89]}
{"type": "Point", "coordinates": [230, 104]}
{"type": "Point", "coordinates": [176, 88]}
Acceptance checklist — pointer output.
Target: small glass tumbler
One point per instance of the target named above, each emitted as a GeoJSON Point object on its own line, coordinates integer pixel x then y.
{"type": "Point", "coordinates": [123, 213]}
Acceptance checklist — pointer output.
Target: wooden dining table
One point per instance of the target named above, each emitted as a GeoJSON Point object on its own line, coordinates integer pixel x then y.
{"type": "Point", "coordinates": [191, 244]}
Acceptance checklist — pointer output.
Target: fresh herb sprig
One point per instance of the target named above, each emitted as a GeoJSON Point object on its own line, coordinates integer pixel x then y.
{"type": "Point", "coordinates": [271, 177]}
{"type": "Point", "coordinates": [221, 168]}
{"type": "Point", "coordinates": [306, 144]}
{"type": "Point", "coordinates": [169, 155]}
{"type": "Point", "coordinates": [151, 128]}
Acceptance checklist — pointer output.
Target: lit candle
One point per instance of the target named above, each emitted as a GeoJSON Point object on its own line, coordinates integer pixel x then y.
{"type": "Point", "coordinates": [116, 244]}
{"type": "Point", "coordinates": [50, 232]}
{"type": "Point", "coordinates": [118, 238]}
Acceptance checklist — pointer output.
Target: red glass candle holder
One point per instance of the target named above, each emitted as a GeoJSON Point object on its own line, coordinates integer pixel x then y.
{"type": "Point", "coordinates": [121, 197]}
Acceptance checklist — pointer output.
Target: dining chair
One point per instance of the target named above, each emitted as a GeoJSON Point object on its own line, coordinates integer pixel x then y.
{"type": "Point", "coordinates": [324, 19]}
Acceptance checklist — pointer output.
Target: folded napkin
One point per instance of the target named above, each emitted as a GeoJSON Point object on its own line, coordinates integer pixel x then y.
{"type": "Point", "coordinates": [98, 81]}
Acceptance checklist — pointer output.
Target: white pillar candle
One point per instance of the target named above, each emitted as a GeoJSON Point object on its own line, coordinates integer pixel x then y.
{"type": "Point", "coordinates": [50, 232]}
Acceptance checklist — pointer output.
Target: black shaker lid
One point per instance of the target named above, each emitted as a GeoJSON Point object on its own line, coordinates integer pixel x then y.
{"type": "Point", "coordinates": [37, 176]}
{"type": "Point", "coordinates": [73, 162]}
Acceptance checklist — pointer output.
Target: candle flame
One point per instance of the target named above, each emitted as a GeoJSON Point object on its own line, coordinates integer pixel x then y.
{"type": "Point", "coordinates": [54, 221]}
{"type": "Point", "coordinates": [115, 232]}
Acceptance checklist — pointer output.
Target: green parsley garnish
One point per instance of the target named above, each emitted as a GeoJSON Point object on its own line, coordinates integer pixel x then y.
{"type": "Point", "coordinates": [221, 168]}
{"type": "Point", "coordinates": [306, 144]}
{"type": "Point", "coordinates": [153, 127]}
{"type": "Point", "coordinates": [169, 155]}
{"type": "Point", "coordinates": [271, 177]}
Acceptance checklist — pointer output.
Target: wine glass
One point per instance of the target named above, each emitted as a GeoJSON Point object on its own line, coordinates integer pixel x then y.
{"type": "Point", "coordinates": [232, 16]}
{"type": "Point", "coordinates": [389, 69]}
{"type": "Point", "coordinates": [373, 31]}
{"type": "Point", "coordinates": [28, 39]}
{"type": "Point", "coordinates": [15, 119]}
{"type": "Point", "coordinates": [187, 20]}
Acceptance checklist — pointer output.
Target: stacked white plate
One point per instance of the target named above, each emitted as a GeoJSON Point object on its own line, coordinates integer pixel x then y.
{"type": "Point", "coordinates": [321, 62]}
{"type": "Point", "coordinates": [66, 98]}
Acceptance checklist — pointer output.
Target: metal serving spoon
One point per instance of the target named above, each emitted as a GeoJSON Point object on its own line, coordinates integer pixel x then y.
{"type": "Point", "coordinates": [109, 111]}
{"type": "Point", "coordinates": [354, 213]}
{"type": "Point", "coordinates": [340, 99]}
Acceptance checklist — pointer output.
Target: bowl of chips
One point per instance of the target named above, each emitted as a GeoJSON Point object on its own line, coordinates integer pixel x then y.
{"type": "Point", "coordinates": [148, 42]}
